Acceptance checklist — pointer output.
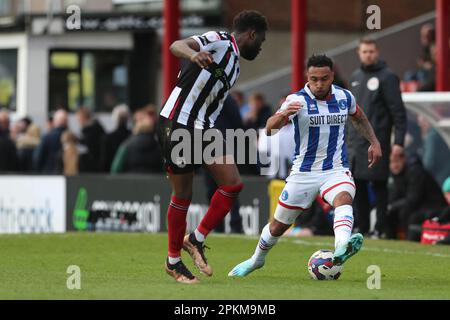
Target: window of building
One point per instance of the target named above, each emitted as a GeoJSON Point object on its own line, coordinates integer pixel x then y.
{"type": "Point", "coordinates": [157, 5]}
{"type": "Point", "coordinates": [5, 7]}
{"type": "Point", "coordinates": [96, 79]}
{"type": "Point", "coordinates": [8, 78]}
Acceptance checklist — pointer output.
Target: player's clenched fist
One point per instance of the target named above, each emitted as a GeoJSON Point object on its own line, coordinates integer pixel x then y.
{"type": "Point", "coordinates": [203, 59]}
{"type": "Point", "coordinates": [292, 108]}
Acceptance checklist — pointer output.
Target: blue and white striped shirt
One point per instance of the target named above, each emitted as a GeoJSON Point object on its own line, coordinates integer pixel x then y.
{"type": "Point", "coordinates": [319, 129]}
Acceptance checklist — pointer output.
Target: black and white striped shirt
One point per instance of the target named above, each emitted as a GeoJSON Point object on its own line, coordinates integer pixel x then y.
{"type": "Point", "coordinates": [197, 99]}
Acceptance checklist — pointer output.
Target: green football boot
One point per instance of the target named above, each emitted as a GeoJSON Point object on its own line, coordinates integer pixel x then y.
{"type": "Point", "coordinates": [344, 252]}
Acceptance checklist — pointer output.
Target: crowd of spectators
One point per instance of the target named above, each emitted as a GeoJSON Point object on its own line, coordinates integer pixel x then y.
{"type": "Point", "coordinates": [26, 150]}
{"type": "Point", "coordinates": [131, 147]}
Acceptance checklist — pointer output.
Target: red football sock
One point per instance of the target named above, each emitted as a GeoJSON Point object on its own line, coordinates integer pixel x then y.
{"type": "Point", "coordinates": [220, 205]}
{"type": "Point", "coordinates": [176, 216]}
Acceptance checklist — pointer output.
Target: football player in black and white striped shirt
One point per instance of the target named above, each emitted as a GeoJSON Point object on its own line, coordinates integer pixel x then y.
{"type": "Point", "coordinates": [210, 67]}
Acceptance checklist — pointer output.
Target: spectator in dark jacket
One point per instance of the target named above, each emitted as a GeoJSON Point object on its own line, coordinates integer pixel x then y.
{"type": "Point", "coordinates": [8, 153]}
{"type": "Point", "coordinates": [111, 141]}
{"type": "Point", "coordinates": [377, 91]}
{"type": "Point", "coordinates": [91, 136]}
{"type": "Point", "coordinates": [415, 197]}
{"type": "Point", "coordinates": [48, 156]}
{"type": "Point", "coordinates": [254, 119]}
{"type": "Point", "coordinates": [141, 152]}
{"type": "Point", "coordinates": [258, 114]}
{"type": "Point", "coordinates": [428, 72]}
{"type": "Point", "coordinates": [4, 121]}
{"type": "Point", "coordinates": [26, 145]}
{"type": "Point", "coordinates": [239, 98]}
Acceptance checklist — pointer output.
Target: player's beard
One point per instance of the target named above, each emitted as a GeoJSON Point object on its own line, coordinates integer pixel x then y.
{"type": "Point", "coordinates": [323, 96]}
{"type": "Point", "coordinates": [250, 53]}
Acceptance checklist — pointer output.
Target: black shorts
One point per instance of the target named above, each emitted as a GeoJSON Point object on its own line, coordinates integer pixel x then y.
{"type": "Point", "coordinates": [180, 162]}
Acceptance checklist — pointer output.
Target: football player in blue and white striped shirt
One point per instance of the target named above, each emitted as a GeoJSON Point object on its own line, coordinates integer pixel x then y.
{"type": "Point", "coordinates": [319, 113]}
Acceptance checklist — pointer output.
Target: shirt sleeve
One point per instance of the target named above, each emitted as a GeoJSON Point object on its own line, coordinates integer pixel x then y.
{"type": "Point", "coordinates": [285, 104]}
{"type": "Point", "coordinates": [353, 108]}
{"type": "Point", "coordinates": [207, 40]}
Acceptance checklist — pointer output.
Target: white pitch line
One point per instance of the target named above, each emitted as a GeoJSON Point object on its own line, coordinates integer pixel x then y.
{"type": "Point", "coordinates": [314, 243]}
{"type": "Point", "coordinates": [330, 244]}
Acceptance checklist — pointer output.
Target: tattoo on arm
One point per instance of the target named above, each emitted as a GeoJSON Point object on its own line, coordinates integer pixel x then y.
{"type": "Point", "coordinates": [275, 122]}
{"type": "Point", "coordinates": [363, 126]}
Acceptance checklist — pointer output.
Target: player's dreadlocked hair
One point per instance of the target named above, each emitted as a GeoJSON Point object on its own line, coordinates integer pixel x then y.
{"type": "Point", "coordinates": [319, 61]}
{"type": "Point", "coordinates": [249, 20]}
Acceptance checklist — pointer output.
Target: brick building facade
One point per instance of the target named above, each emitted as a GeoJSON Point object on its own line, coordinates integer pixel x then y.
{"type": "Point", "coordinates": [332, 15]}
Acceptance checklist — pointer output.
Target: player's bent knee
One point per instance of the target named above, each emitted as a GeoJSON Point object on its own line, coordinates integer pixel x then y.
{"type": "Point", "coordinates": [286, 216]}
{"type": "Point", "coordinates": [233, 189]}
{"type": "Point", "coordinates": [343, 198]}
{"type": "Point", "coordinates": [343, 194]}
{"type": "Point", "coordinates": [278, 228]}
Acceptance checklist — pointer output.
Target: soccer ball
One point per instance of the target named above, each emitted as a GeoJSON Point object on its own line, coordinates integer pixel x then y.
{"type": "Point", "coordinates": [320, 266]}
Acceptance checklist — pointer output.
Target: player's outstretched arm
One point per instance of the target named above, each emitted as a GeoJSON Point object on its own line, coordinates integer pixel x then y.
{"type": "Point", "coordinates": [364, 128]}
{"type": "Point", "coordinates": [190, 49]}
{"type": "Point", "coordinates": [281, 118]}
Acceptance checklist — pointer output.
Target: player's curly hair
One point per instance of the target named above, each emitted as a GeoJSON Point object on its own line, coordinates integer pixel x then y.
{"type": "Point", "coordinates": [319, 61]}
{"type": "Point", "coordinates": [249, 20]}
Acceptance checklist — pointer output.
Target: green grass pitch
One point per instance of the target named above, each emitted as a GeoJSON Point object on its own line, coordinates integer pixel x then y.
{"type": "Point", "coordinates": [130, 266]}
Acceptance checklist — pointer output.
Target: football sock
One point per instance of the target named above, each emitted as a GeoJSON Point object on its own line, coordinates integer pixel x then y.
{"type": "Point", "coordinates": [266, 242]}
{"type": "Point", "coordinates": [176, 216]}
{"type": "Point", "coordinates": [343, 224]}
{"type": "Point", "coordinates": [199, 236]}
{"type": "Point", "coordinates": [221, 203]}
{"type": "Point", "coordinates": [173, 261]}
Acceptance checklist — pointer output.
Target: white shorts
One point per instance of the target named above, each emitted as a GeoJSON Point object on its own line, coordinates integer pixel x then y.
{"type": "Point", "coordinates": [302, 188]}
